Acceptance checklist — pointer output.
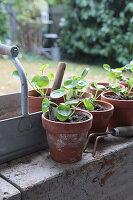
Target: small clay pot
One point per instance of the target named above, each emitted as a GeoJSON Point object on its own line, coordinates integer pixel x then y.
{"type": "Point", "coordinates": [123, 111]}
{"type": "Point", "coordinates": [35, 103]}
{"type": "Point", "coordinates": [101, 118]}
{"type": "Point", "coordinates": [67, 140]}
{"type": "Point", "coordinates": [93, 90]}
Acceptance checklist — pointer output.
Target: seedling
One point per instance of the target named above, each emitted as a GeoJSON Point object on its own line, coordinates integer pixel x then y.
{"type": "Point", "coordinates": [116, 74]}
{"type": "Point", "coordinates": [39, 82]}
{"type": "Point", "coordinates": [75, 85]}
{"type": "Point", "coordinates": [62, 111]}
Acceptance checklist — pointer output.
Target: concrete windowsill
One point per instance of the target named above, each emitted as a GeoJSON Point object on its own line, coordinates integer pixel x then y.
{"type": "Point", "coordinates": [105, 177]}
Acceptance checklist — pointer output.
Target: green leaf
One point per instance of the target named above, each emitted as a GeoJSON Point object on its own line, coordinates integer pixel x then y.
{"type": "Point", "coordinates": [101, 87]}
{"type": "Point", "coordinates": [84, 73]}
{"type": "Point", "coordinates": [15, 74]}
{"type": "Point", "coordinates": [131, 82]}
{"type": "Point", "coordinates": [107, 67]}
{"type": "Point", "coordinates": [88, 104]}
{"type": "Point", "coordinates": [35, 79]}
{"type": "Point", "coordinates": [72, 102]}
{"type": "Point", "coordinates": [45, 105]}
{"type": "Point", "coordinates": [44, 67]}
{"type": "Point", "coordinates": [71, 82]}
{"type": "Point", "coordinates": [69, 94]}
{"type": "Point", "coordinates": [81, 84]}
{"type": "Point", "coordinates": [58, 93]}
{"type": "Point", "coordinates": [51, 76]}
{"type": "Point", "coordinates": [63, 112]}
{"type": "Point", "coordinates": [115, 89]}
{"type": "Point", "coordinates": [42, 82]}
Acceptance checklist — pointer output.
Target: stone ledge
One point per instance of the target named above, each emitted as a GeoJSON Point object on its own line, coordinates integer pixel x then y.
{"type": "Point", "coordinates": [109, 176]}
{"type": "Point", "coordinates": [8, 192]}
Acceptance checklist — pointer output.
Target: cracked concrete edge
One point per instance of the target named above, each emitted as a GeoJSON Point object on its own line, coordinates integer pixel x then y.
{"type": "Point", "coordinates": [8, 191]}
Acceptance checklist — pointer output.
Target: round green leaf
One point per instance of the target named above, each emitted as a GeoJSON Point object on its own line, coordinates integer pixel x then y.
{"type": "Point", "coordinates": [45, 105]}
{"type": "Point", "coordinates": [51, 76]}
{"type": "Point", "coordinates": [88, 104]}
{"type": "Point", "coordinates": [35, 79]}
{"type": "Point", "coordinates": [85, 72]}
{"type": "Point", "coordinates": [69, 94]}
{"type": "Point", "coordinates": [72, 102]}
{"type": "Point", "coordinates": [44, 67]}
{"type": "Point", "coordinates": [58, 93]}
{"type": "Point", "coordinates": [71, 82]}
{"type": "Point", "coordinates": [42, 82]}
{"type": "Point", "coordinates": [81, 84]}
{"type": "Point", "coordinates": [63, 112]}
{"type": "Point", "coordinates": [107, 67]}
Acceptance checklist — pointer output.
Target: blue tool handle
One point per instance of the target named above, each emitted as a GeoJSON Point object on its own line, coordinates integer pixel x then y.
{"type": "Point", "coordinates": [125, 131]}
{"type": "Point", "coordinates": [7, 50]}
{"type": "Point", "coordinates": [13, 52]}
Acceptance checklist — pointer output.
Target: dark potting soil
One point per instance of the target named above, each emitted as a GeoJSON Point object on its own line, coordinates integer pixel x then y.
{"type": "Point", "coordinates": [75, 118]}
{"type": "Point", "coordinates": [97, 107]}
{"type": "Point", "coordinates": [118, 97]}
{"type": "Point", "coordinates": [77, 97]}
{"type": "Point", "coordinates": [38, 95]}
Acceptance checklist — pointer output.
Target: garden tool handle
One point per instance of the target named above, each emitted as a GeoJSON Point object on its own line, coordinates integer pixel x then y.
{"type": "Point", "coordinates": [13, 52]}
{"type": "Point", "coordinates": [58, 77]}
{"type": "Point", "coordinates": [125, 131]}
{"type": "Point", "coordinates": [7, 50]}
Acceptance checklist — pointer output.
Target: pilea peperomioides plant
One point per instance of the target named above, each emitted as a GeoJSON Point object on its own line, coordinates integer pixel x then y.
{"type": "Point", "coordinates": [75, 85]}
{"type": "Point", "coordinates": [117, 75]}
{"type": "Point", "coordinates": [39, 82]}
{"type": "Point", "coordinates": [63, 111]}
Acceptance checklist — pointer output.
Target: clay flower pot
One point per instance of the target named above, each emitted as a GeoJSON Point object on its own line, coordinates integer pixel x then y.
{"type": "Point", "coordinates": [35, 103]}
{"type": "Point", "coordinates": [123, 111]}
{"type": "Point", "coordinates": [101, 118]}
{"type": "Point", "coordinates": [93, 90]}
{"type": "Point", "coordinates": [67, 140]}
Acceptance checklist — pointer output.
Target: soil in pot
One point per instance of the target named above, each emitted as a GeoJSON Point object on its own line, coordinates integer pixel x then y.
{"type": "Point", "coordinates": [123, 110]}
{"type": "Point", "coordinates": [101, 117]}
{"type": "Point", "coordinates": [67, 140]}
{"type": "Point", "coordinates": [79, 97]}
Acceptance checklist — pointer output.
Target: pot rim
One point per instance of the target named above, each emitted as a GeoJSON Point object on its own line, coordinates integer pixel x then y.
{"type": "Point", "coordinates": [66, 123]}
{"type": "Point", "coordinates": [115, 100]}
{"type": "Point", "coordinates": [103, 111]}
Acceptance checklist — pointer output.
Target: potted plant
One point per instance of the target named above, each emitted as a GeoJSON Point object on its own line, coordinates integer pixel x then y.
{"type": "Point", "coordinates": [122, 99]}
{"type": "Point", "coordinates": [67, 129]}
{"type": "Point", "coordinates": [126, 81]}
{"type": "Point", "coordinates": [75, 86]}
{"type": "Point", "coordinates": [40, 85]}
{"type": "Point", "coordinates": [101, 110]}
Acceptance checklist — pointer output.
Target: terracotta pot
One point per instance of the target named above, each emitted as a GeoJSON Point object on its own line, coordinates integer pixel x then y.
{"type": "Point", "coordinates": [123, 111]}
{"type": "Point", "coordinates": [93, 90]}
{"type": "Point", "coordinates": [101, 118]}
{"type": "Point", "coordinates": [35, 103]}
{"type": "Point", "coordinates": [67, 140]}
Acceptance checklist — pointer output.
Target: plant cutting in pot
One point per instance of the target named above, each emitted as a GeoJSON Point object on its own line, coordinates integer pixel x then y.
{"type": "Point", "coordinates": [122, 99]}
{"type": "Point", "coordinates": [67, 129]}
{"type": "Point", "coordinates": [126, 81]}
{"type": "Point", "coordinates": [40, 85]}
{"type": "Point", "coordinates": [101, 111]}
{"type": "Point", "coordinates": [75, 86]}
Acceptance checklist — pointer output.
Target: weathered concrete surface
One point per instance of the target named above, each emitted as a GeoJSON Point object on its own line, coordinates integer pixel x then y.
{"type": "Point", "coordinates": [8, 192]}
{"type": "Point", "coordinates": [108, 176]}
